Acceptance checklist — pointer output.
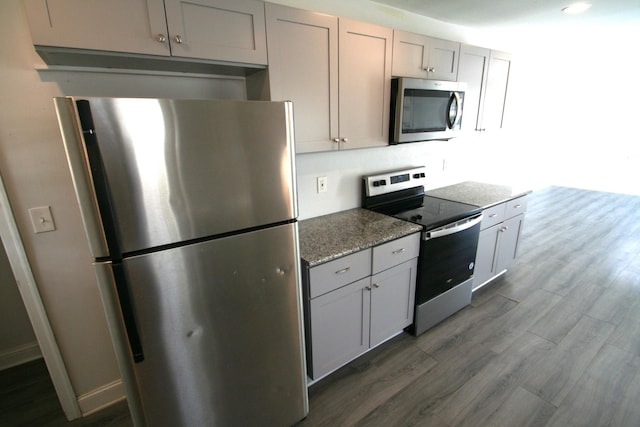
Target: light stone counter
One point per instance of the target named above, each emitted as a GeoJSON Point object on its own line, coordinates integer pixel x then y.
{"type": "Point", "coordinates": [478, 193]}
{"type": "Point", "coordinates": [328, 237]}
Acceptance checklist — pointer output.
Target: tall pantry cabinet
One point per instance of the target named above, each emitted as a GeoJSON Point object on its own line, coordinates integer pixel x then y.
{"type": "Point", "coordinates": [336, 71]}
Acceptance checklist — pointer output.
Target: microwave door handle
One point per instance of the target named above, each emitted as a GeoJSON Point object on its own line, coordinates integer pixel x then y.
{"type": "Point", "coordinates": [454, 98]}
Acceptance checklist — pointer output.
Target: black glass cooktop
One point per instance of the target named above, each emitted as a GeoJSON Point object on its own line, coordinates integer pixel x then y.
{"type": "Point", "coordinates": [436, 212]}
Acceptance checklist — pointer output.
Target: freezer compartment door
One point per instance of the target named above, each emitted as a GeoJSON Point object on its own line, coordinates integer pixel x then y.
{"type": "Point", "coordinates": [221, 331]}
{"type": "Point", "coordinates": [170, 170]}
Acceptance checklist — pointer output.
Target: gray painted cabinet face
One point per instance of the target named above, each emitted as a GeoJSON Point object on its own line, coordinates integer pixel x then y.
{"type": "Point", "coordinates": [350, 319]}
{"type": "Point", "coordinates": [225, 30]}
{"type": "Point", "coordinates": [228, 30]}
{"type": "Point", "coordinates": [119, 25]}
{"type": "Point", "coordinates": [303, 68]}
{"type": "Point", "coordinates": [340, 326]}
{"type": "Point", "coordinates": [392, 301]}
{"type": "Point", "coordinates": [472, 69]}
{"type": "Point", "coordinates": [498, 243]}
{"type": "Point", "coordinates": [486, 73]}
{"type": "Point", "coordinates": [419, 56]}
{"type": "Point", "coordinates": [337, 73]}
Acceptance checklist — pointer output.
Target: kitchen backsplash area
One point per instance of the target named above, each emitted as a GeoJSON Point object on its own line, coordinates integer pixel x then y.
{"type": "Point", "coordinates": [447, 162]}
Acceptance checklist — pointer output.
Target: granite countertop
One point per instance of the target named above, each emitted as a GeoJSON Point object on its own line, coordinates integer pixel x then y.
{"type": "Point", "coordinates": [478, 193]}
{"type": "Point", "coordinates": [332, 236]}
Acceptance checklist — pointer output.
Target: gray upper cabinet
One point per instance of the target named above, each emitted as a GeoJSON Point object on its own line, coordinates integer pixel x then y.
{"type": "Point", "coordinates": [486, 73]}
{"type": "Point", "coordinates": [337, 73]}
{"type": "Point", "coordinates": [229, 30]}
{"type": "Point", "coordinates": [117, 25]}
{"type": "Point", "coordinates": [496, 92]}
{"type": "Point", "coordinates": [303, 68]}
{"type": "Point", "coordinates": [420, 56]}
{"type": "Point", "coordinates": [221, 30]}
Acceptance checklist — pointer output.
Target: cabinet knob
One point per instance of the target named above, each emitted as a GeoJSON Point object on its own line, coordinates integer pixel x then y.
{"type": "Point", "coordinates": [368, 287]}
{"type": "Point", "coordinates": [345, 140]}
{"type": "Point", "coordinates": [430, 69]}
{"type": "Point", "coordinates": [375, 285]}
{"type": "Point", "coordinates": [178, 39]}
{"type": "Point", "coordinates": [161, 38]}
{"type": "Point", "coordinates": [336, 140]}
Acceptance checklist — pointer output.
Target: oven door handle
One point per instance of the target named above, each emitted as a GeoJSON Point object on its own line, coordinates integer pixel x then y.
{"type": "Point", "coordinates": [446, 231]}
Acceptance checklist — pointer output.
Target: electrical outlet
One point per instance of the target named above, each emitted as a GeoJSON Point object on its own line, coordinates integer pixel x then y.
{"type": "Point", "coordinates": [322, 184]}
{"type": "Point", "coordinates": [41, 219]}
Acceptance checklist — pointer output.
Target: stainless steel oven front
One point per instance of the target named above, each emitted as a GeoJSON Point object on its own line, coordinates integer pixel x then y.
{"type": "Point", "coordinates": [445, 271]}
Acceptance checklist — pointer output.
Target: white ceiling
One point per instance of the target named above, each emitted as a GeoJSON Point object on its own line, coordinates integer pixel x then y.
{"type": "Point", "coordinates": [496, 14]}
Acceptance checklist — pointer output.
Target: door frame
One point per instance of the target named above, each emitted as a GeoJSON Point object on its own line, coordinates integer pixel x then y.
{"type": "Point", "coordinates": [35, 308]}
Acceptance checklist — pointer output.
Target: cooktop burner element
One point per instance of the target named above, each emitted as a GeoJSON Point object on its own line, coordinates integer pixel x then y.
{"type": "Point", "coordinates": [400, 193]}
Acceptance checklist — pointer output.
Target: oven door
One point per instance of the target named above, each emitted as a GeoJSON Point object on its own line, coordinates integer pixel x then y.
{"type": "Point", "coordinates": [447, 257]}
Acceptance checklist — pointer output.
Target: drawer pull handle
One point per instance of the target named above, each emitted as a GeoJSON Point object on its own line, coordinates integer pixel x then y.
{"type": "Point", "coordinates": [517, 206]}
{"type": "Point", "coordinates": [399, 251]}
{"type": "Point", "coordinates": [493, 215]}
{"type": "Point", "coordinates": [344, 270]}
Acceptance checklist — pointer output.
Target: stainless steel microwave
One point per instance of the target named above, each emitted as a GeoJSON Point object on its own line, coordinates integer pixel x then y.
{"type": "Point", "coordinates": [423, 110]}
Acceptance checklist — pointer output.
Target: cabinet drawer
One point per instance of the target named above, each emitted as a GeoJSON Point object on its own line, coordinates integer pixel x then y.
{"type": "Point", "coordinates": [516, 207]}
{"type": "Point", "coordinates": [492, 216]}
{"type": "Point", "coordinates": [395, 252]}
{"type": "Point", "coordinates": [334, 274]}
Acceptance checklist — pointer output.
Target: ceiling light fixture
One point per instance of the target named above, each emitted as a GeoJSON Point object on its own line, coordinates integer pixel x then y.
{"type": "Point", "coordinates": [575, 8]}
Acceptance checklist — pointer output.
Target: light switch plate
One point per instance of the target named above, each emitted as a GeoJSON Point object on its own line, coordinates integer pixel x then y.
{"type": "Point", "coordinates": [41, 219]}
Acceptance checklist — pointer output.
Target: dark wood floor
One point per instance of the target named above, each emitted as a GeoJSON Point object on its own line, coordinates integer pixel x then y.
{"type": "Point", "coordinates": [555, 342]}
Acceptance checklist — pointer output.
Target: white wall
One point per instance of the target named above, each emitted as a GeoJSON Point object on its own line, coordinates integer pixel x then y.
{"type": "Point", "coordinates": [578, 108]}
{"type": "Point", "coordinates": [17, 341]}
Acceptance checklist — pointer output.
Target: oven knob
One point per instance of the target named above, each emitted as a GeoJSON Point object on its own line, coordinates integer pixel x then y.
{"type": "Point", "coordinates": [471, 265]}
{"type": "Point", "coordinates": [416, 175]}
{"type": "Point", "coordinates": [376, 183]}
{"type": "Point", "coordinates": [422, 175]}
{"type": "Point", "coordinates": [383, 182]}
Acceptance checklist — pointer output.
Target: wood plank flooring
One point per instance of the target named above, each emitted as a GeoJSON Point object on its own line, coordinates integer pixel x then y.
{"type": "Point", "coordinates": [555, 342]}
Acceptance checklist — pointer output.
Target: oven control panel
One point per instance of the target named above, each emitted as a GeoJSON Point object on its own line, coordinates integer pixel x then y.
{"type": "Point", "coordinates": [387, 182]}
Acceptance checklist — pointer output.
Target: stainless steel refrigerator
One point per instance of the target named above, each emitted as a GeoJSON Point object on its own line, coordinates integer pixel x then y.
{"type": "Point", "coordinates": [190, 209]}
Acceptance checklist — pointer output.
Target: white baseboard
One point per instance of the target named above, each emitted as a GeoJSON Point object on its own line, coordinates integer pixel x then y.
{"type": "Point", "coordinates": [101, 397]}
{"type": "Point", "coordinates": [19, 355]}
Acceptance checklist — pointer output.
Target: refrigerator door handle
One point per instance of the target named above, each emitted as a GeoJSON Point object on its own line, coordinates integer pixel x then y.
{"type": "Point", "coordinates": [127, 313]}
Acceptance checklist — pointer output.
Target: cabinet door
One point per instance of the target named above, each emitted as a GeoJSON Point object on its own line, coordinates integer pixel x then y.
{"type": "Point", "coordinates": [365, 84]}
{"type": "Point", "coordinates": [112, 25]}
{"type": "Point", "coordinates": [486, 255]}
{"type": "Point", "coordinates": [303, 68]}
{"type": "Point", "coordinates": [496, 91]}
{"type": "Point", "coordinates": [443, 60]}
{"type": "Point", "coordinates": [225, 30]}
{"type": "Point", "coordinates": [472, 70]}
{"type": "Point", "coordinates": [340, 326]}
{"type": "Point", "coordinates": [410, 54]}
{"type": "Point", "coordinates": [392, 301]}
{"type": "Point", "coordinates": [510, 231]}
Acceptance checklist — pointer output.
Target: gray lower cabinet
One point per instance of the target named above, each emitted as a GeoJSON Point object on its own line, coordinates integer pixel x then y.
{"type": "Point", "coordinates": [499, 237]}
{"type": "Point", "coordinates": [345, 320]}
